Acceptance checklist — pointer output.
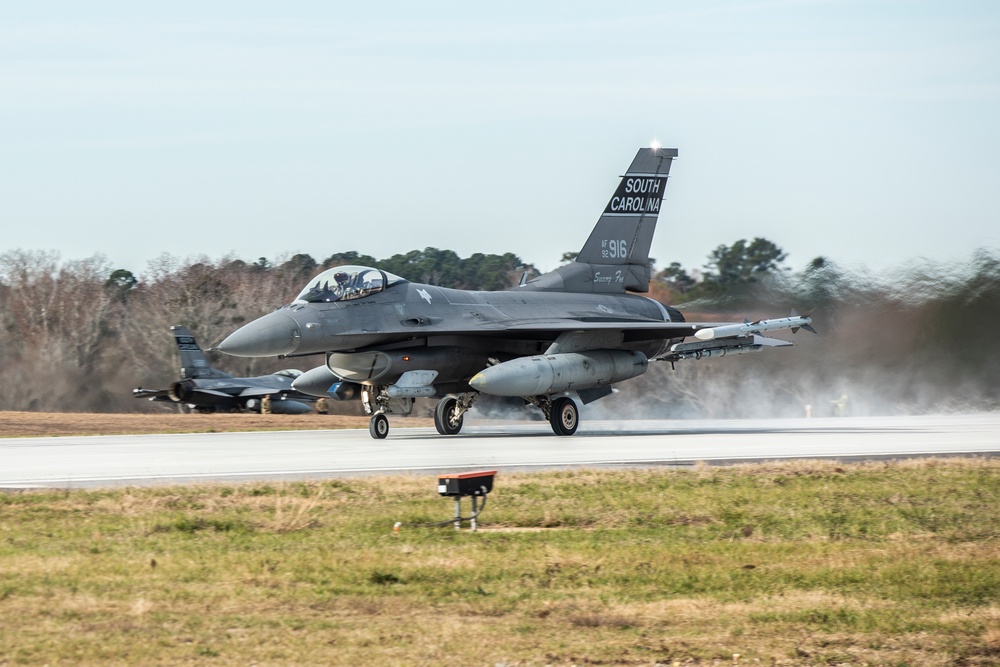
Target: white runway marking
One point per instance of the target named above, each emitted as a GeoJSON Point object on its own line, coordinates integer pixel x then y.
{"type": "Point", "coordinates": [177, 458]}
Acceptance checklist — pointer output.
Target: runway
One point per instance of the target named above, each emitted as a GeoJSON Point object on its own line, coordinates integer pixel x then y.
{"type": "Point", "coordinates": [95, 461]}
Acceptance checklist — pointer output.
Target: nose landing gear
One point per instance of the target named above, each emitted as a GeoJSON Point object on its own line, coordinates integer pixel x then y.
{"type": "Point", "coordinates": [378, 404]}
{"type": "Point", "coordinates": [379, 426]}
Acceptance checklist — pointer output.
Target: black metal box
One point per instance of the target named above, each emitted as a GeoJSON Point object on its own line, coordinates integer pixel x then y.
{"type": "Point", "coordinates": [466, 483]}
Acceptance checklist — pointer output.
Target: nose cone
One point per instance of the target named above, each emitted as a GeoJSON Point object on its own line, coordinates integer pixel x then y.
{"type": "Point", "coordinates": [479, 382]}
{"type": "Point", "coordinates": [272, 335]}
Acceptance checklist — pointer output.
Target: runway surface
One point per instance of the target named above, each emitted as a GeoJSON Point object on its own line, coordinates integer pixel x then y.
{"type": "Point", "coordinates": [94, 461]}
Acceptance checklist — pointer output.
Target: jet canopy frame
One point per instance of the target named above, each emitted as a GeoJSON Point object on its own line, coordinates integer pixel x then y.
{"type": "Point", "coordinates": [344, 283]}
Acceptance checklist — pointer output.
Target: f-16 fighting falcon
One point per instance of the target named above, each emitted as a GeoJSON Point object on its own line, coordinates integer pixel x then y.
{"type": "Point", "coordinates": [565, 336]}
{"type": "Point", "coordinates": [206, 389]}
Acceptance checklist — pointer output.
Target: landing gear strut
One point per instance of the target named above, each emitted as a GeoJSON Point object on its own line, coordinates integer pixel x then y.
{"type": "Point", "coordinates": [378, 404]}
{"type": "Point", "coordinates": [450, 411]}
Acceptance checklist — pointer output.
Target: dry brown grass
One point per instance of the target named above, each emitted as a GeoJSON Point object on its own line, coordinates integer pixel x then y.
{"type": "Point", "coordinates": [30, 424]}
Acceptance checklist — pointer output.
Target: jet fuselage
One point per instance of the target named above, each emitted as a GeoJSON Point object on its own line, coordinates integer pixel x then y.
{"type": "Point", "coordinates": [460, 331]}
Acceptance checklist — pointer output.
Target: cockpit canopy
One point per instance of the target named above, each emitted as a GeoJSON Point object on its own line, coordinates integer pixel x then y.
{"type": "Point", "coordinates": [290, 372]}
{"type": "Point", "coordinates": [343, 283]}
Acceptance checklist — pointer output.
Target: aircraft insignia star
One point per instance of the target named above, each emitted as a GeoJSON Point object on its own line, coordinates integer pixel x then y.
{"type": "Point", "coordinates": [424, 295]}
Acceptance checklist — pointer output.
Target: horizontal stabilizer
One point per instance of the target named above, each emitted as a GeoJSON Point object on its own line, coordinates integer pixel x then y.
{"type": "Point", "coordinates": [212, 392]}
{"type": "Point", "coordinates": [251, 391]}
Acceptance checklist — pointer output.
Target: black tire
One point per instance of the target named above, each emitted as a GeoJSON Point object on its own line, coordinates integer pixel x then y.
{"type": "Point", "coordinates": [379, 426]}
{"type": "Point", "coordinates": [442, 417]}
{"type": "Point", "coordinates": [565, 417]}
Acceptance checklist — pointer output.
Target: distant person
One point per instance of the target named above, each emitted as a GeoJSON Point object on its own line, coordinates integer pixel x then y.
{"type": "Point", "coordinates": [840, 406]}
{"type": "Point", "coordinates": [265, 405]}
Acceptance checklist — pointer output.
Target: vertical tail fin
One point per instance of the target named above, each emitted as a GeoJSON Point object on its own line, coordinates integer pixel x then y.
{"type": "Point", "coordinates": [194, 365]}
{"type": "Point", "coordinates": [616, 256]}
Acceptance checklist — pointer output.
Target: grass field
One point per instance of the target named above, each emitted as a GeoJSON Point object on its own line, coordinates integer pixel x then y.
{"type": "Point", "coordinates": [805, 563]}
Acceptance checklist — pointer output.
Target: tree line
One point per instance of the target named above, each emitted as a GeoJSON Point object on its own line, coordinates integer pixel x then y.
{"type": "Point", "coordinates": [78, 335]}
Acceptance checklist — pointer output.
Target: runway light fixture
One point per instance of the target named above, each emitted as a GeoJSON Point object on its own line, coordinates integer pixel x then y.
{"type": "Point", "coordinates": [474, 485]}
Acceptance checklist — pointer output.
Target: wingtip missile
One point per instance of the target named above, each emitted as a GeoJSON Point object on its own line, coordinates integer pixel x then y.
{"type": "Point", "coordinates": [806, 326]}
{"type": "Point", "coordinates": [794, 322]}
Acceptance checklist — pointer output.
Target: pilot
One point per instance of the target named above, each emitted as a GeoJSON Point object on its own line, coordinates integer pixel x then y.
{"type": "Point", "coordinates": [343, 281]}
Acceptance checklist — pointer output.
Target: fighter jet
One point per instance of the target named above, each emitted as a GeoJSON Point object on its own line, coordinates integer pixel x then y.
{"type": "Point", "coordinates": [206, 389]}
{"type": "Point", "coordinates": [566, 336]}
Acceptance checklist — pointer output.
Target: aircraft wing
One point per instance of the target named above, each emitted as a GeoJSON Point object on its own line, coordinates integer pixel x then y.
{"type": "Point", "coordinates": [639, 329]}
{"type": "Point", "coordinates": [211, 392]}
{"type": "Point", "coordinates": [632, 329]}
{"type": "Point", "coordinates": [713, 338]}
{"type": "Point", "coordinates": [649, 329]}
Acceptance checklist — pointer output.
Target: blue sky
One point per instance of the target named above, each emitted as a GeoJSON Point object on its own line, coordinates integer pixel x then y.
{"type": "Point", "coordinates": [867, 132]}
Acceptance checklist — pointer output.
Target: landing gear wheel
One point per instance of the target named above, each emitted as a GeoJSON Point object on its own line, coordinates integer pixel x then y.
{"type": "Point", "coordinates": [444, 421]}
{"type": "Point", "coordinates": [379, 426]}
{"type": "Point", "coordinates": [565, 417]}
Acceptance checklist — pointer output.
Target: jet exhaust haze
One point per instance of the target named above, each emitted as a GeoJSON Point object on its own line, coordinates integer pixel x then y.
{"type": "Point", "coordinates": [917, 340]}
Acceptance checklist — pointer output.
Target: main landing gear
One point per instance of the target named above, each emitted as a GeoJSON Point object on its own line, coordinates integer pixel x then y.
{"type": "Point", "coordinates": [564, 416]}
{"type": "Point", "coordinates": [448, 416]}
{"type": "Point", "coordinates": [450, 411]}
{"type": "Point", "coordinates": [561, 412]}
